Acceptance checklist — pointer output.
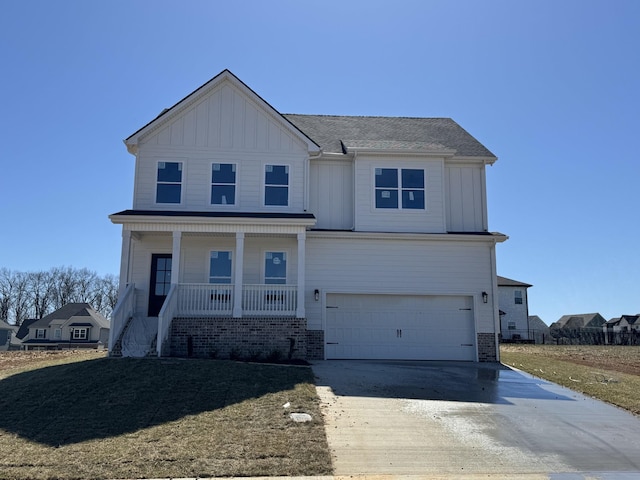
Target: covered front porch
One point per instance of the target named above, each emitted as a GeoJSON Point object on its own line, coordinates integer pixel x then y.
{"type": "Point", "coordinates": [209, 266]}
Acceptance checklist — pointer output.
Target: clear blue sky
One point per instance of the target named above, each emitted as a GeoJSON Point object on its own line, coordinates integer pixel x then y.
{"type": "Point", "coordinates": [551, 87]}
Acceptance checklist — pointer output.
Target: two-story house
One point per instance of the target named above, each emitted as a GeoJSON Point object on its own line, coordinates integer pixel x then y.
{"type": "Point", "coordinates": [314, 236]}
{"type": "Point", "coordinates": [514, 310]}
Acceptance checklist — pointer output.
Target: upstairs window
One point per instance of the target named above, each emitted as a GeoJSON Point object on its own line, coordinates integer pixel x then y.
{"type": "Point", "coordinates": [223, 184]}
{"type": "Point", "coordinates": [518, 297]}
{"type": "Point", "coordinates": [41, 333]}
{"type": "Point", "coordinates": [275, 268]}
{"type": "Point", "coordinates": [220, 267]}
{"type": "Point", "coordinates": [399, 188]}
{"type": "Point", "coordinates": [276, 185]}
{"type": "Point", "coordinates": [169, 186]}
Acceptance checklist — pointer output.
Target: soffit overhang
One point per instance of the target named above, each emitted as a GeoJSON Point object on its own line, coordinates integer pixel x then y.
{"type": "Point", "coordinates": [214, 222]}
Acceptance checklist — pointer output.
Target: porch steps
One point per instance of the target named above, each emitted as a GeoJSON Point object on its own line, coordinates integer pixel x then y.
{"type": "Point", "coordinates": [139, 339]}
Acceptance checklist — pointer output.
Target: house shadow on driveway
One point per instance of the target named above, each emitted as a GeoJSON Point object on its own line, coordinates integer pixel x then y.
{"type": "Point", "coordinates": [75, 402]}
{"type": "Point", "coordinates": [491, 383]}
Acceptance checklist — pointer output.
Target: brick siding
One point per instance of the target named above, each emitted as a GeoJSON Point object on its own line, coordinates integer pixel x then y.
{"type": "Point", "coordinates": [225, 337]}
{"type": "Point", "coordinates": [315, 344]}
{"type": "Point", "coordinates": [487, 347]}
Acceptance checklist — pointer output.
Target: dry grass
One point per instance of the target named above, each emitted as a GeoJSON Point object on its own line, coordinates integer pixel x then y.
{"type": "Point", "coordinates": [92, 417]}
{"type": "Point", "coordinates": [609, 373]}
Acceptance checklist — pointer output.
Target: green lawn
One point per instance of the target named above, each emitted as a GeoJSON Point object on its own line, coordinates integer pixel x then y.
{"type": "Point", "coordinates": [147, 418]}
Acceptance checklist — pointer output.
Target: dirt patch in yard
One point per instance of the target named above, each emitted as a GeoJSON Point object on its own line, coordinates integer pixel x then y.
{"type": "Point", "coordinates": [622, 359]}
{"type": "Point", "coordinates": [27, 359]}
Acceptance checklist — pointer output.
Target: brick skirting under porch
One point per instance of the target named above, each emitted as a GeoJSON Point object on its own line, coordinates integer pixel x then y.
{"type": "Point", "coordinates": [246, 338]}
{"type": "Point", "coordinates": [487, 346]}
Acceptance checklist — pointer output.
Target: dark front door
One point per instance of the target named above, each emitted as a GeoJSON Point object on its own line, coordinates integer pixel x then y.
{"type": "Point", "coordinates": [160, 281]}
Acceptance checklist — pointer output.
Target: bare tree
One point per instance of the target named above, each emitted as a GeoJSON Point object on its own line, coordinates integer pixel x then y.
{"type": "Point", "coordinates": [6, 293]}
{"type": "Point", "coordinates": [36, 294]}
{"type": "Point", "coordinates": [41, 290]}
{"type": "Point", "coordinates": [20, 297]}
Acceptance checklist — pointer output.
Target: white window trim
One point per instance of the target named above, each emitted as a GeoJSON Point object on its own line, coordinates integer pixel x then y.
{"type": "Point", "coordinates": [236, 185]}
{"type": "Point", "coordinates": [399, 188]}
{"type": "Point", "coordinates": [182, 182]}
{"type": "Point", "coordinates": [263, 181]}
{"type": "Point", "coordinates": [80, 329]}
{"type": "Point", "coordinates": [57, 334]}
{"type": "Point", "coordinates": [263, 266]}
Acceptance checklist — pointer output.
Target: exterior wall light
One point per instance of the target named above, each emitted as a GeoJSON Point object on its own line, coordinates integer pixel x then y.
{"type": "Point", "coordinates": [485, 297]}
{"type": "Point", "coordinates": [316, 294]}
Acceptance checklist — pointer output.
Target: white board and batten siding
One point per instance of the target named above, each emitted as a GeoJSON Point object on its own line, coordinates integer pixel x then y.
{"type": "Point", "coordinates": [331, 194]}
{"type": "Point", "coordinates": [465, 198]}
{"type": "Point", "coordinates": [226, 126]}
{"type": "Point", "coordinates": [370, 219]}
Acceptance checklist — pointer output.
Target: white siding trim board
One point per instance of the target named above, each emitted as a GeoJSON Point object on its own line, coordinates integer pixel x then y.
{"type": "Point", "coordinates": [437, 237]}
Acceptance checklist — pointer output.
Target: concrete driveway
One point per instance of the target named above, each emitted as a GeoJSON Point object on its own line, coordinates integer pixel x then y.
{"type": "Point", "coordinates": [448, 419]}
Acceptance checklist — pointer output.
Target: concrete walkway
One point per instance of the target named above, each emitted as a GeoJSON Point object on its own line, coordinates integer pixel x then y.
{"type": "Point", "coordinates": [465, 420]}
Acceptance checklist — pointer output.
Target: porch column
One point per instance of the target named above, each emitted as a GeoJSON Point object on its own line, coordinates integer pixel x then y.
{"type": "Point", "coordinates": [301, 274]}
{"type": "Point", "coordinates": [175, 258]}
{"type": "Point", "coordinates": [124, 261]}
{"type": "Point", "coordinates": [237, 275]}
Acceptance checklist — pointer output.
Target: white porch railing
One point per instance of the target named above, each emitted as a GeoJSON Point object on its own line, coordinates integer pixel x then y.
{"type": "Point", "coordinates": [122, 313]}
{"type": "Point", "coordinates": [269, 299]}
{"type": "Point", "coordinates": [202, 299]}
{"type": "Point", "coordinates": [205, 299]}
{"type": "Point", "coordinates": [168, 311]}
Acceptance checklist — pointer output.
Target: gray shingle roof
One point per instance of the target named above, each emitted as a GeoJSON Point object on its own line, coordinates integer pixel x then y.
{"type": "Point", "coordinates": [507, 282]}
{"type": "Point", "coordinates": [333, 133]}
{"type": "Point", "coordinates": [72, 310]}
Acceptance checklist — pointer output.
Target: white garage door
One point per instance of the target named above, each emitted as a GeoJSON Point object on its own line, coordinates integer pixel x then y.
{"type": "Point", "coordinates": [402, 327]}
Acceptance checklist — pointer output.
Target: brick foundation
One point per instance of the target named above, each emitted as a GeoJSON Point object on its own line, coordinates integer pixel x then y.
{"type": "Point", "coordinates": [487, 346]}
{"type": "Point", "coordinates": [315, 344]}
{"type": "Point", "coordinates": [246, 338]}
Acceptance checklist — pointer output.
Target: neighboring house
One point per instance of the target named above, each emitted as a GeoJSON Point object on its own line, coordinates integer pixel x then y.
{"type": "Point", "coordinates": [579, 321]}
{"type": "Point", "coordinates": [622, 330]}
{"type": "Point", "coordinates": [7, 334]}
{"type": "Point", "coordinates": [540, 329]}
{"type": "Point", "coordinates": [23, 331]}
{"type": "Point", "coordinates": [254, 232]}
{"type": "Point", "coordinates": [514, 310]}
{"type": "Point", "coordinates": [584, 328]}
{"type": "Point", "coordinates": [76, 325]}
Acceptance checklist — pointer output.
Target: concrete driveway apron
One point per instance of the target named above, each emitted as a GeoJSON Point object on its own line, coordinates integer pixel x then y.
{"type": "Point", "coordinates": [457, 419]}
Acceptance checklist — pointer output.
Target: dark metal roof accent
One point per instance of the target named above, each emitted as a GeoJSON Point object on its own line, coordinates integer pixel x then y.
{"type": "Point", "coordinates": [173, 213]}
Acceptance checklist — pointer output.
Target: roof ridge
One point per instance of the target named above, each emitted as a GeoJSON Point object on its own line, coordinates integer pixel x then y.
{"type": "Point", "coordinates": [368, 116]}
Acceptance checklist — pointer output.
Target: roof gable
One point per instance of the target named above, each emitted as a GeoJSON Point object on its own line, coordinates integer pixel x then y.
{"type": "Point", "coordinates": [214, 115]}
{"type": "Point", "coordinates": [69, 311]}
{"type": "Point", "coordinates": [580, 320]}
